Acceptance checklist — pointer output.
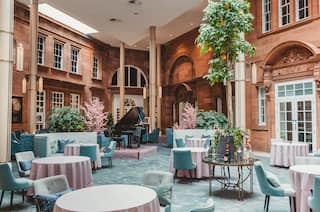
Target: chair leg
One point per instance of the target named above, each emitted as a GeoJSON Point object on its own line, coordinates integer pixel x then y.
{"type": "Point", "coordinates": [294, 204]}
{"type": "Point", "coordinates": [265, 202]}
{"type": "Point", "coordinates": [11, 199]}
{"type": "Point", "coordinates": [111, 162]}
{"type": "Point", "coordinates": [267, 206]}
{"type": "Point", "coordinates": [290, 204]}
{"type": "Point", "coordinates": [2, 194]}
{"type": "Point", "coordinates": [22, 196]}
{"type": "Point", "coordinates": [190, 173]}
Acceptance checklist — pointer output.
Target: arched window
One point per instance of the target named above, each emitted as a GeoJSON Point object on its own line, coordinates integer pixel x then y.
{"type": "Point", "coordinates": [133, 77]}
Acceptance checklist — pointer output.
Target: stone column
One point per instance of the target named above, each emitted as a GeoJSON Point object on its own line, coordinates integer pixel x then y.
{"type": "Point", "coordinates": [240, 92]}
{"type": "Point", "coordinates": [121, 79]}
{"type": "Point", "coordinates": [152, 76]}
{"type": "Point", "coordinates": [159, 96]}
{"type": "Point", "coordinates": [6, 61]}
{"type": "Point", "coordinates": [32, 88]}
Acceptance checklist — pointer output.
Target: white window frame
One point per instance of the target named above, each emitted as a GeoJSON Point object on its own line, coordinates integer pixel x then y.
{"type": "Point", "coordinates": [75, 101]}
{"type": "Point", "coordinates": [41, 49]}
{"type": "Point", "coordinates": [58, 56]}
{"type": "Point", "coordinates": [262, 105]}
{"type": "Point", "coordinates": [139, 72]}
{"type": "Point", "coordinates": [287, 5]}
{"type": "Point", "coordinates": [41, 110]}
{"type": "Point", "coordinates": [95, 68]}
{"type": "Point", "coordinates": [74, 55]}
{"type": "Point", "coordinates": [266, 3]}
{"type": "Point", "coordinates": [305, 10]}
{"type": "Point", "coordinates": [57, 99]}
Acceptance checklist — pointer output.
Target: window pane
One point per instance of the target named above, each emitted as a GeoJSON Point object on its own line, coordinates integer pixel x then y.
{"type": "Point", "coordinates": [133, 77]}
{"type": "Point", "coordinates": [142, 80]}
{"type": "Point", "coordinates": [126, 77]}
{"type": "Point", "coordinates": [115, 79]}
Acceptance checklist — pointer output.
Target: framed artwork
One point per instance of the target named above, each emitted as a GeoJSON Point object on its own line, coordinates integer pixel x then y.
{"type": "Point", "coordinates": [16, 109]}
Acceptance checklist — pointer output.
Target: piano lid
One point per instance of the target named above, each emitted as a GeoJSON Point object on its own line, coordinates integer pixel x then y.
{"type": "Point", "coordinates": [130, 119]}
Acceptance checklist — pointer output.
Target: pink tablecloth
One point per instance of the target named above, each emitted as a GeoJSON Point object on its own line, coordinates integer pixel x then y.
{"type": "Point", "coordinates": [74, 149]}
{"type": "Point", "coordinates": [197, 154]}
{"type": "Point", "coordinates": [120, 198]}
{"type": "Point", "coordinates": [284, 154]}
{"type": "Point", "coordinates": [77, 170]}
{"type": "Point", "coordinates": [302, 177]}
{"type": "Point", "coordinates": [195, 142]}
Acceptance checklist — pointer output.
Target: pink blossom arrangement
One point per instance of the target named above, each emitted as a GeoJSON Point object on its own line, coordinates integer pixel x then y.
{"type": "Point", "coordinates": [95, 117]}
{"type": "Point", "coordinates": [189, 117]}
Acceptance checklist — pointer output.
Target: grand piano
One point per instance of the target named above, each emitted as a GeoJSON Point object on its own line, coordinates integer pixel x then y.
{"type": "Point", "coordinates": [130, 125]}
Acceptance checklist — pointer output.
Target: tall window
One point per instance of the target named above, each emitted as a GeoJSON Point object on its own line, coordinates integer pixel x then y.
{"type": "Point", "coordinates": [266, 15]}
{"type": "Point", "coordinates": [75, 101]}
{"type": "Point", "coordinates": [57, 99]}
{"type": "Point", "coordinates": [57, 55]}
{"type": "Point", "coordinates": [95, 68]}
{"type": "Point", "coordinates": [133, 77]}
{"type": "Point", "coordinates": [41, 105]}
{"type": "Point", "coordinates": [302, 10]}
{"type": "Point", "coordinates": [74, 60]}
{"type": "Point", "coordinates": [262, 106]}
{"type": "Point", "coordinates": [41, 50]}
{"type": "Point", "coordinates": [284, 12]}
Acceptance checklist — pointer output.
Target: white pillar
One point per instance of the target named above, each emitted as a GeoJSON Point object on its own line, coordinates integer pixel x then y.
{"type": "Point", "coordinates": [240, 92]}
{"type": "Point", "coordinates": [6, 60]}
{"type": "Point", "coordinates": [159, 96]}
{"type": "Point", "coordinates": [152, 76]}
{"type": "Point", "coordinates": [32, 89]}
{"type": "Point", "coordinates": [121, 79]}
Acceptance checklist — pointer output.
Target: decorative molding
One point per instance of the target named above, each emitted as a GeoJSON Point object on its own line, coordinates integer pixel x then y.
{"type": "Point", "coordinates": [294, 55]}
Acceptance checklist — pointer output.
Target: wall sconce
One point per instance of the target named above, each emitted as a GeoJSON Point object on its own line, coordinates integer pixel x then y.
{"type": "Point", "coordinates": [160, 92]}
{"type": "Point", "coordinates": [145, 92]}
{"type": "Point", "coordinates": [19, 61]}
{"type": "Point", "coordinates": [254, 73]}
{"type": "Point", "coordinates": [25, 81]}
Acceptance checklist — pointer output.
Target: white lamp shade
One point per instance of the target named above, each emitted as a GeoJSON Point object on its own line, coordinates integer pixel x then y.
{"type": "Point", "coordinates": [20, 52]}
{"type": "Point", "coordinates": [24, 85]}
{"type": "Point", "coordinates": [254, 73]}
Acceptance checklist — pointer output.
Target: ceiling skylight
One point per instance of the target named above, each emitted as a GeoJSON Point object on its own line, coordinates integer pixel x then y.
{"type": "Point", "coordinates": [60, 16]}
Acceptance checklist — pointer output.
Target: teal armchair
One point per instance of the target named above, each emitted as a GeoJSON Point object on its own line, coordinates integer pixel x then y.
{"type": "Point", "coordinates": [209, 207]}
{"type": "Point", "coordinates": [270, 187]}
{"type": "Point", "coordinates": [182, 160]}
{"type": "Point", "coordinates": [16, 145]}
{"type": "Point", "coordinates": [169, 134]}
{"type": "Point", "coordinates": [108, 153]}
{"type": "Point", "coordinates": [180, 143]}
{"type": "Point", "coordinates": [9, 183]}
{"type": "Point", "coordinates": [154, 135]}
{"type": "Point", "coordinates": [103, 141]}
{"type": "Point", "coordinates": [89, 151]}
{"type": "Point", "coordinates": [314, 200]}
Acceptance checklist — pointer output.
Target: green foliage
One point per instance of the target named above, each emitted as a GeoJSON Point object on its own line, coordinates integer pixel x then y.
{"type": "Point", "coordinates": [237, 134]}
{"type": "Point", "coordinates": [211, 120]}
{"type": "Point", "coordinates": [220, 35]}
{"type": "Point", "coordinates": [65, 119]}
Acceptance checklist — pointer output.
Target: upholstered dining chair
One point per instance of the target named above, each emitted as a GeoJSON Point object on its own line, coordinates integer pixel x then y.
{"type": "Point", "coordinates": [169, 135]}
{"type": "Point", "coordinates": [48, 190]}
{"type": "Point", "coordinates": [89, 151]}
{"type": "Point", "coordinates": [207, 143]}
{"type": "Point", "coordinates": [23, 160]}
{"type": "Point", "coordinates": [209, 207]}
{"type": "Point", "coordinates": [180, 143]}
{"type": "Point", "coordinates": [182, 160]}
{"type": "Point", "coordinates": [108, 153]}
{"type": "Point", "coordinates": [9, 183]}
{"type": "Point", "coordinates": [314, 200]}
{"type": "Point", "coordinates": [161, 182]}
{"type": "Point", "coordinates": [154, 135]}
{"type": "Point", "coordinates": [271, 186]}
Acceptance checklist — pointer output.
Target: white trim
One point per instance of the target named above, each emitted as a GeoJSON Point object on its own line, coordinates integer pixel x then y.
{"type": "Point", "coordinates": [95, 67]}
{"type": "Point", "coordinates": [42, 50]}
{"type": "Point", "coordinates": [264, 16]}
{"type": "Point", "coordinates": [75, 101]}
{"type": "Point", "coordinates": [297, 10]}
{"type": "Point", "coordinates": [280, 13]}
{"type": "Point", "coordinates": [77, 55]}
{"type": "Point", "coordinates": [62, 50]}
{"type": "Point", "coordinates": [57, 95]}
{"type": "Point", "coordinates": [260, 98]}
{"type": "Point", "coordinates": [139, 71]}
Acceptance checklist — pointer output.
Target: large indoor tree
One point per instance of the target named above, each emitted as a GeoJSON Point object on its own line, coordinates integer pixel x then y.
{"type": "Point", "coordinates": [221, 35]}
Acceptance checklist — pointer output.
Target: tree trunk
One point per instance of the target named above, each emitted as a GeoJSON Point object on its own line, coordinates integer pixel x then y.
{"type": "Point", "coordinates": [229, 103]}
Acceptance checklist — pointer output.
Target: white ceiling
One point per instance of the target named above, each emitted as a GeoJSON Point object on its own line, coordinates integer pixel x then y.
{"type": "Point", "coordinates": [172, 18]}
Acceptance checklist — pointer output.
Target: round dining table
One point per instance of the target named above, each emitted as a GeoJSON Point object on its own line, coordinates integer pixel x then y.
{"type": "Point", "coordinates": [74, 150]}
{"type": "Point", "coordinates": [114, 197]}
{"type": "Point", "coordinates": [197, 154]}
{"type": "Point", "coordinates": [302, 177]}
{"type": "Point", "coordinates": [284, 153]}
{"type": "Point", "coordinates": [77, 169]}
{"type": "Point", "coordinates": [195, 142]}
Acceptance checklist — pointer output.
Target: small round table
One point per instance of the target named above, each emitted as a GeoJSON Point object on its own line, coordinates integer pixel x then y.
{"type": "Point", "coordinates": [226, 180]}
{"type": "Point", "coordinates": [77, 169]}
{"type": "Point", "coordinates": [116, 197]}
{"type": "Point", "coordinates": [302, 177]}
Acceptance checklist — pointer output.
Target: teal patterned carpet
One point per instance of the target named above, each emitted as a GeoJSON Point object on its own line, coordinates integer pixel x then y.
{"type": "Point", "coordinates": [186, 194]}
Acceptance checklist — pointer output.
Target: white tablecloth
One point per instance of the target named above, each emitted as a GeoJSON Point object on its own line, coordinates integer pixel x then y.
{"type": "Point", "coordinates": [197, 154]}
{"type": "Point", "coordinates": [74, 149]}
{"type": "Point", "coordinates": [119, 198]}
{"type": "Point", "coordinates": [77, 170]}
{"type": "Point", "coordinates": [195, 142]}
{"type": "Point", "coordinates": [284, 154]}
{"type": "Point", "coordinates": [302, 177]}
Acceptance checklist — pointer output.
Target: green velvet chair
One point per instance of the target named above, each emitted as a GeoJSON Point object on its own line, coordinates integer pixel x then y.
{"type": "Point", "coordinates": [209, 207]}
{"type": "Point", "coordinates": [108, 153]}
{"type": "Point", "coordinates": [169, 135]}
{"type": "Point", "coordinates": [182, 160]}
{"type": "Point", "coordinates": [9, 183]}
{"type": "Point", "coordinates": [180, 143]}
{"type": "Point", "coordinates": [314, 200]}
{"type": "Point", "coordinates": [270, 187]}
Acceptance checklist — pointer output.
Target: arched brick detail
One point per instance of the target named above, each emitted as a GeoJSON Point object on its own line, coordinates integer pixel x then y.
{"type": "Point", "coordinates": [181, 63]}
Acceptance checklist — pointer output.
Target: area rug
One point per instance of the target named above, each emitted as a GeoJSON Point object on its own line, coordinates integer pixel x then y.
{"type": "Point", "coordinates": [135, 153]}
